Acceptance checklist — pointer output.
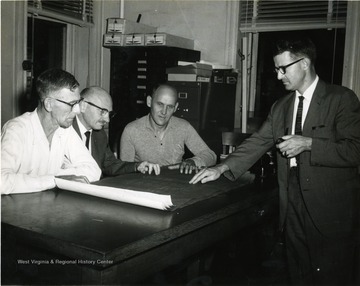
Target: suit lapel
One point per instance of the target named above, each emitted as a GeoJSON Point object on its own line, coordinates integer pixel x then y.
{"type": "Point", "coordinates": [288, 111]}
{"type": "Point", "coordinates": [77, 129]}
{"type": "Point", "coordinates": [313, 114]}
{"type": "Point", "coordinates": [96, 147]}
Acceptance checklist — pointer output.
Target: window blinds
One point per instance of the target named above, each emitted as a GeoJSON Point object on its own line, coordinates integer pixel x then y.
{"type": "Point", "coordinates": [268, 15]}
{"type": "Point", "coordinates": [78, 12]}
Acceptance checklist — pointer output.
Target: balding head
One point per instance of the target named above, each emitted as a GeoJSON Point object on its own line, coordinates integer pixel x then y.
{"type": "Point", "coordinates": [166, 89]}
{"type": "Point", "coordinates": [96, 93]}
{"type": "Point", "coordinates": [96, 102]}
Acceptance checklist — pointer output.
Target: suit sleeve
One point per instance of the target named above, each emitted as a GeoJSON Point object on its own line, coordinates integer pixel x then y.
{"type": "Point", "coordinates": [113, 167]}
{"type": "Point", "coordinates": [251, 150]}
{"type": "Point", "coordinates": [337, 143]}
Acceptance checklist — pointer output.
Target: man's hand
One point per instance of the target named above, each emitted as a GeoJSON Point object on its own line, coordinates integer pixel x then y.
{"type": "Point", "coordinates": [146, 167]}
{"type": "Point", "coordinates": [294, 145]}
{"type": "Point", "coordinates": [80, 179]}
{"type": "Point", "coordinates": [209, 174]}
{"type": "Point", "coordinates": [186, 167]}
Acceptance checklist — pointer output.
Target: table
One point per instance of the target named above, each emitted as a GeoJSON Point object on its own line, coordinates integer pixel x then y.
{"type": "Point", "coordinates": [62, 237]}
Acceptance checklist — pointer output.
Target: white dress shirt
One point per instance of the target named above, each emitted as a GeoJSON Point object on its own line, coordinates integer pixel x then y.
{"type": "Point", "coordinates": [29, 163]}
{"type": "Point", "coordinates": [308, 94]}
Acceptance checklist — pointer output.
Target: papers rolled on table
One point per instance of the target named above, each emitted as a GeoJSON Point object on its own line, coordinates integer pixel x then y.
{"type": "Point", "coordinates": [156, 201]}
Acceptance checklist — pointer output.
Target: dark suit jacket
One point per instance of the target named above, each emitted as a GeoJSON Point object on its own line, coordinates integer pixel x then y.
{"type": "Point", "coordinates": [102, 154]}
{"type": "Point", "coordinates": [329, 176]}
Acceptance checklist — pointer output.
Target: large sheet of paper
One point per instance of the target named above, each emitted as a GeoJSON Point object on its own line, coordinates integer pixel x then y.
{"type": "Point", "coordinates": [161, 202]}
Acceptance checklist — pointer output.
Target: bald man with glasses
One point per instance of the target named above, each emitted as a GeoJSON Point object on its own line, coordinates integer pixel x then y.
{"type": "Point", "coordinates": [96, 112]}
{"type": "Point", "coordinates": [38, 146]}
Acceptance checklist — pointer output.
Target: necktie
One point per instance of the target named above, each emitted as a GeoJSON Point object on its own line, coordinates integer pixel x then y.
{"type": "Point", "coordinates": [87, 134]}
{"type": "Point", "coordinates": [298, 120]}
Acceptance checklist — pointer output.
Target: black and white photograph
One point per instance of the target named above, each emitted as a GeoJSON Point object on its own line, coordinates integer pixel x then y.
{"type": "Point", "coordinates": [180, 142]}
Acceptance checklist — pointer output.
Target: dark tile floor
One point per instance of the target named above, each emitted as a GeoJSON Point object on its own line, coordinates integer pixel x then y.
{"type": "Point", "coordinates": [253, 259]}
{"type": "Point", "coordinates": [250, 267]}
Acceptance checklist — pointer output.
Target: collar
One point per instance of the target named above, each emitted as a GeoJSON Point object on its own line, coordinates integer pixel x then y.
{"type": "Point", "coordinates": [36, 120]}
{"type": "Point", "coordinates": [148, 124]}
{"type": "Point", "coordinates": [82, 127]}
{"type": "Point", "coordinates": [309, 91]}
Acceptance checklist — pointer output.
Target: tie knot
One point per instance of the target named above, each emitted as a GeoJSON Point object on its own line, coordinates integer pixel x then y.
{"type": "Point", "coordinates": [301, 98]}
{"type": "Point", "coordinates": [87, 134]}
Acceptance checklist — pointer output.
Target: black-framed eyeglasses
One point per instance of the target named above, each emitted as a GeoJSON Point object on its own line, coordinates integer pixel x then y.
{"type": "Point", "coordinates": [103, 111]}
{"type": "Point", "coordinates": [282, 69]}
{"type": "Point", "coordinates": [71, 104]}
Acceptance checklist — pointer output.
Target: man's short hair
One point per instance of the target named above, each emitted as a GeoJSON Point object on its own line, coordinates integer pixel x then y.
{"type": "Point", "coordinates": [300, 47]}
{"type": "Point", "coordinates": [53, 80]}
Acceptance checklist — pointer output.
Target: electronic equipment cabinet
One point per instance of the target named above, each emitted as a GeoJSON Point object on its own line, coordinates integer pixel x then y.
{"type": "Point", "coordinates": [193, 102]}
{"type": "Point", "coordinates": [209, 107]}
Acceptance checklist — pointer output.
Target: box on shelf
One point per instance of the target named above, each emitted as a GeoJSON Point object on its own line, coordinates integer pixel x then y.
{"type": "Point", "coordinates": [163, 39]}
{"type": "Point", "coordinates": [187, 77]}
{"type": "Point", "coordinates": [113, 39]}
{"type": "Point", "coordinates": [192, 68]}
{"type": "Point", "coordinates": [134, 40]}
{"type": "Point", "coordinates": [123, 26]}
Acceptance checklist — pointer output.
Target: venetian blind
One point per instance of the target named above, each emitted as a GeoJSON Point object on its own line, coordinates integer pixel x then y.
{"type": "Point", "coordinates": [268, 15]}
{"type": "Point", "coordinates": [78, 12]}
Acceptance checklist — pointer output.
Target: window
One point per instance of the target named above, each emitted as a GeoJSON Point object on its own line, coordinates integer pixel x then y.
{"type": "Point", "coordinates": [261, 21]}
{"type": "Point", "coordinates": [78, 12]}
{"type": "Point", "coordinates": [45, 49]}
{"type": "Point", "coordinates": [265, 15]}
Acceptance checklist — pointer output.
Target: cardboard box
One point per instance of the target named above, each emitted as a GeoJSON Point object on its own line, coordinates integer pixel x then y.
{"type": "Point", "coordinates": [113, 39]}
{"type": "Point", "coordinates": [123, 26]}
{"type": "Point", "coordinates": [162, 39]}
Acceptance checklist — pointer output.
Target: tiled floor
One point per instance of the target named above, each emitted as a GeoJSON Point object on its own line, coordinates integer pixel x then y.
{"type": "Point", "coordinates": [254, 259]}
{"type": "Point", "coordinates": [244, 268]}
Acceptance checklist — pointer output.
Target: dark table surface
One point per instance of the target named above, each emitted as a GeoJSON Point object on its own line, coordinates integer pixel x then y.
{"type": "Point", "coordinates": [85, 227]}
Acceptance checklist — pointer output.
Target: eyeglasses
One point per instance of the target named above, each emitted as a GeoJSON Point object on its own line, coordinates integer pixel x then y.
{"type": "Point", "coordinates": [282, 69]}
{"type": "Point", "coordinates": [71, 104]}
{"type": "Point", "coordinates": [103, 111]}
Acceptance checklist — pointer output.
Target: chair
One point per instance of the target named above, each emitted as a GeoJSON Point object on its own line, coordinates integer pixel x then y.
{"type": "Point", "coordinates": [230, 140]}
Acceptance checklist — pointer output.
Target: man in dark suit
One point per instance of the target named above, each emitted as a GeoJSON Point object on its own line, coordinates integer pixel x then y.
{"type": "Point", "coordinates": [96, 111]}
{"type": "Point", "coordinates": [316, 129]}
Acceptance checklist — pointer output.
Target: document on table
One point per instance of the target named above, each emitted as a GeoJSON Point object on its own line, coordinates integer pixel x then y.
{"type": "Point", "coordinates": [156, 201]}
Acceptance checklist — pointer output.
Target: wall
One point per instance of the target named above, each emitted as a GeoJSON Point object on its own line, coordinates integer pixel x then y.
{"type": "Point", "coordinates": [351, 73]}
{"type": "Point", "coordinates": [211, 24]}
{"type": "Point", "coordinates": [203, 21]}
{"type": "Point", "coordinates": [13, 39]}
{"type": "Point", "coordinates": [109, 9]}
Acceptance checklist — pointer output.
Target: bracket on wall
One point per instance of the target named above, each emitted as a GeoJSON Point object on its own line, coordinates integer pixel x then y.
{"type": "Point", "coordinates": [27, 65]}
